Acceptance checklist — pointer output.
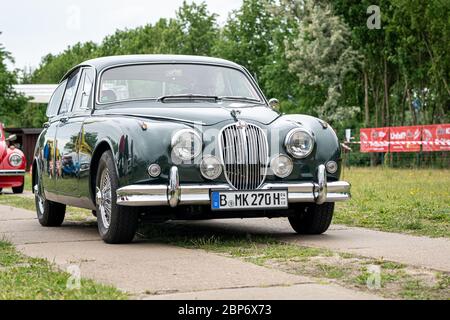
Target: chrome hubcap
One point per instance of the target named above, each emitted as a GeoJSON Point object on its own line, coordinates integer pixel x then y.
{"type": "Point", "coordinates": [104, 198]}
{"type": "Point", "coordinates": [40, 198]}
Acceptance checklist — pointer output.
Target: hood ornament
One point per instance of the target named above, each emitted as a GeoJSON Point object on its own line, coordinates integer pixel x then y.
{"type": "Point", "coordinates": [235, 114]}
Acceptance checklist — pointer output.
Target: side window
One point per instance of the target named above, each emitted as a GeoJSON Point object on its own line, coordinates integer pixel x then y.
{"type": "Point", "coordinates": [84, 90]}
{"type": "Point", "coordinates": [55, 101]}
{"type": "Point", "coordinates": [69, 94]}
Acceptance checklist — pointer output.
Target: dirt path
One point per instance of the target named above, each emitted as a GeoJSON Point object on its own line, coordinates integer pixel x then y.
{"type": "Point", "coordinates": [426, 252]}
{"type": "Point", "coordinates": [159, 271]}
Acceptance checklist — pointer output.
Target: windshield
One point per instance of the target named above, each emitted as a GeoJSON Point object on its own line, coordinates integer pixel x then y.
{"type": "Point", "coordinates": [153, 81]}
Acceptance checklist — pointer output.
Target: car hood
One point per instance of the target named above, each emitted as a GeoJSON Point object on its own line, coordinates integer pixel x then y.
{"type": "Point", "coordinates": [204, 113]}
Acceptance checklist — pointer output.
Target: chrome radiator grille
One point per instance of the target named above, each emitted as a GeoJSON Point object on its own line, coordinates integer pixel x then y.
{"type": "Point", "coordinates": [244, 150]}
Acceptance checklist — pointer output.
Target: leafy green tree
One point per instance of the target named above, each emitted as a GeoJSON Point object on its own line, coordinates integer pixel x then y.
{"type": "Point", "coordinates": [247, 38]}
{"type": "Point", "coordinates": [11, 102]}
{"type": "Point", "coordinates": [54, 67]}
{"type": "Point", "coordinates": [322, 57]}
{"type": "Point", "coordinates": [199, 29]}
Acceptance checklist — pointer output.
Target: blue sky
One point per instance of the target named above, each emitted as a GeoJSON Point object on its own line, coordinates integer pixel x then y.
{"type": "Point", "coordinates": [31, 29]}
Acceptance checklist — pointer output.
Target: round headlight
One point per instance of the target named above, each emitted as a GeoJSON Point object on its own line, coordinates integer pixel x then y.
{"type": "Point", "coordinates": [299, 143]}
{"type": "Point", "coordinates": [210, 167]}
{"type": "Point", "coordinates": [15, 160]}
{"type": "Point", "coordinates": [281, 166]}
{"type": "Point", "coordinates": [186, 144]}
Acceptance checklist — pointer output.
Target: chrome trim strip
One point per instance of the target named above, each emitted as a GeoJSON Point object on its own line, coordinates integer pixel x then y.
{"type": "Point", "coordinates": [199, 194]}
{"type": "Point", "coordinates": [12, 173]}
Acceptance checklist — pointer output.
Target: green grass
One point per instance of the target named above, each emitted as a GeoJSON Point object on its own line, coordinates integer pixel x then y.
{"type": "Point", "coordinates": [28, 182]}
{"type": "Point", "coordinates": [24, 278]}
{"type": "Point", "coordinates": [398, 200]}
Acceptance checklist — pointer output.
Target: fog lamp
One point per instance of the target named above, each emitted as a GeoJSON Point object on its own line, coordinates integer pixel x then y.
{"type": "Point", "coordinates": [332, 167]}
{"type": "Point", "coordinates": [154, 170]}
{"type": "Point", "coordinates": [210, 167]}
{"type": "Point", "coordinates": [282, 166]}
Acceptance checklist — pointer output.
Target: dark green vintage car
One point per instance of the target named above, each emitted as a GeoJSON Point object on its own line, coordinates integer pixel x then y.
{"type": "Point", "coordinates": [159, 137]}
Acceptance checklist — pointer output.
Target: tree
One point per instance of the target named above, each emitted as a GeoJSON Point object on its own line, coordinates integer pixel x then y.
{"type": "Point", "coordinates": [53, 67]}
{"type": "Point", "coordinates": [247, 38]}
{"type": "Point", "coordinates": [322, 58]}
{"type": "Point", "coordinates": [199, 29]}
{"type": "Point", "coordinates": [11, 102]}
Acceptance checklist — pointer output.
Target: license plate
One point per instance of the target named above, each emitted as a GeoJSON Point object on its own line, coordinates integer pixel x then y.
{"type": "Point", "coordinates": [245, 200]}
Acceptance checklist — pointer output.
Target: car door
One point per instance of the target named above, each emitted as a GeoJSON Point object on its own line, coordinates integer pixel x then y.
{"type": "Point", "coordinates": [48, 144]}
{"type": "Point", "coordinates": [82, 110]}
{"type": "Point", "coordinates": [67, 141]}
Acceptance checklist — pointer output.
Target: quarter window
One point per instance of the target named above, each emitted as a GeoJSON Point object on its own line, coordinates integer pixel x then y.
{"type": "Point", "coordinates": [85, 90]}
{"type": "Point", "coordinates": [69, 95]}
{"type": "Point", "coordinates": [55, 101]}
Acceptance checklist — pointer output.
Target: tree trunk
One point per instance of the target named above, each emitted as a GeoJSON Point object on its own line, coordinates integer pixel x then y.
{"type": "Point", "coordinates": [404, 100]}
{"type": "Point", "coordinates": [386, 120]}
{"type": "Point", "coordinates": [375, 95]}
{"type": "Point", "coordinates": [366, 100]}
{"type": "Point", "coordinates": [413, 113]}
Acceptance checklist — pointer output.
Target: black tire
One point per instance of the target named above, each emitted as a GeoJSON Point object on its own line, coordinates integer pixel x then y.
{"type": "Point", "coordinates": [123, 221]}
{"type": "Point", "coordinates": [312, 218]}
{"type": "Point", "coordinates": [49, 213]}
{"type": "Point", "coordinates": [1, 189]}
{"type": "Point", "coordinates": [18, 190]}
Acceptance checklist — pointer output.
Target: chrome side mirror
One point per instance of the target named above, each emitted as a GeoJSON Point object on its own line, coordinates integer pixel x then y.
{"type": "Point", "coordinates": [274, 103]}
{"type": "Point", "coordinates": [11, 138]}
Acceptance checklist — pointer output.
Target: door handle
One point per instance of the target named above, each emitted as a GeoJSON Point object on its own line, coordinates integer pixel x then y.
{"type": "Point", "coordinates": [64, 119]}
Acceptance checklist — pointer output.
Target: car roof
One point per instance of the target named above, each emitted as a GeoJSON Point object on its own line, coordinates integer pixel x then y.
{"type": "Point", "coordinates": [106, 62]}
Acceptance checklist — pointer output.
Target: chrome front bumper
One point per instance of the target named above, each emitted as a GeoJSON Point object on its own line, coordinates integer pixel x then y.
{"type": "Point", "coordinates": [175, 194]}
{"type": "Point", "coordinates": [12, 173]}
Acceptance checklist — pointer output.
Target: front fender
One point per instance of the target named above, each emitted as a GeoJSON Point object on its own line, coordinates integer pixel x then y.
{"type": "Point", "coordinates": [135, 144]}
{"type": "Point", "coordinates": [327, 146]}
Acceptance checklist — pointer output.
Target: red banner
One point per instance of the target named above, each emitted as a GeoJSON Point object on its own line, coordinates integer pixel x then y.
{"type": "Point", "coordinates": [405, 139]}
{"type": "Point", "coordinates": [374, 140]}
{"type": "Point", "coordinates": [436, 137]}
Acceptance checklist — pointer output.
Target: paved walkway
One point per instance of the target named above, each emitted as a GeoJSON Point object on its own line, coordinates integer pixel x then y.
{"type": "Point", "coordinates": [426, 252]}
{"type": "Point", "coordinates": [159, 271]}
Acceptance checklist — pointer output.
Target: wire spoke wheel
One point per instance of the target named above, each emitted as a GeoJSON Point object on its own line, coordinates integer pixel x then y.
{"type": "Point", "coordinates": [40, 198]}
{"type": "Point", "coordinates": [104, 198]}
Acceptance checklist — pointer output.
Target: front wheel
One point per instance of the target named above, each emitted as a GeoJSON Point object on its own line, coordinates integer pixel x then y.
{"type": "Point", "coordinates": [116, 224]}
{"type": "Point", "coordinates": [49, 213]}
{"type": "Point", "coordinates": [312, 218]}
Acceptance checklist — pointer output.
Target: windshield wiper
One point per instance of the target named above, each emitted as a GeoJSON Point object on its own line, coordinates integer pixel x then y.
{"type": "Point", "coordinates": [188, 97]}
{"type": "Point", "coordinates": [237, 98]}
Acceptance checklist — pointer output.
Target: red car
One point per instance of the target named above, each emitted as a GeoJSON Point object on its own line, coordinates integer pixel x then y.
{"type": "Point", "coordinates": [12, 164]}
